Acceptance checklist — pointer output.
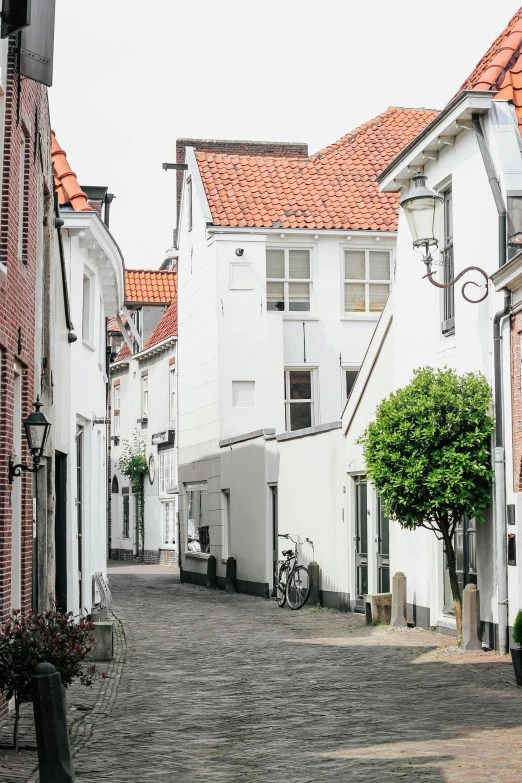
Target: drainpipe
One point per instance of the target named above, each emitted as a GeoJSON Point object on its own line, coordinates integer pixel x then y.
{"type": "Point", "coordinates": [499, 450]}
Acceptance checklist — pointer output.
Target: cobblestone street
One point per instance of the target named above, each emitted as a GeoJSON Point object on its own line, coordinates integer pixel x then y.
{"type": "Point", "coordinates": [220, 687]}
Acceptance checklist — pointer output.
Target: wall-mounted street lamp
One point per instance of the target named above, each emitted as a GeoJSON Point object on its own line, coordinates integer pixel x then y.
{"type": "Point", "coordinates": [422, 208]}
{"type": "Point", "coordinates": [37, 428]}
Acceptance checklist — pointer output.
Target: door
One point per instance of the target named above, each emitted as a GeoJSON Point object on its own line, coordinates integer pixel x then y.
{"type": "Point", "coordinates": [361, 542]}
{"type": "Point", "coordinates": [136, 526]}
{"type": "Point", "coordinates": [16, 496]}
{"type": "Point", "coordinates": [465, 543]}
{"type": "Point", "coordinates": [275, 540]}
{"type": "Point", "coordinates": [79, 508]}
{"type": "Point", "coordinates": [60, 530]}
{"type": "Point", "coordinates": [383, 549]}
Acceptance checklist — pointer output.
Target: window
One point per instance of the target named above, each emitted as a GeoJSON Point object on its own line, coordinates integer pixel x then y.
{"type": "Point", "coordinates": [116, 424]}
{"type": "Point", "coordinates": [167, 470]}
{"type": "Point", "coordinates": [243, 394]}
{"type": "Point", "coordinates": [298, 399]}
{"type": "Point", "coordinates": [198, 539]}
{"type": "Point", "coordinates": [126, 514]}
{"type": "Point", "coordinates": [103, 335]}
{"type": "Point", "coordinates": [288, 280]}
{"type": "Point", "coordinates": [86, 309]}
{"type": "Point", "coordinates": [448, 267]}
{"type": "Point", "coordinates": [350, 376]}
{"type": "Point", "coordinates": [144, 396]}
{"type": "Point", "coordinates": [172, 393]}
{"type": "Point", "coordinates": [169, 523]}
{"type": "Point", "coordinates": [116, 397]}
{"type": "Point", "coordinates": [22, 200]}
{"type": "Point", "coordinates": [366, 280]}
{"type": "Point", "coordinates": [189, 204]}
{"type": "Point", "coordinates": [227, 537]}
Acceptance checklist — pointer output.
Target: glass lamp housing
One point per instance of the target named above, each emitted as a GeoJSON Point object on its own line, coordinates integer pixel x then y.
{"type": "Point", "coordinates": [37, 428]}
{"type": "Point", "coordinates": [422, 208]}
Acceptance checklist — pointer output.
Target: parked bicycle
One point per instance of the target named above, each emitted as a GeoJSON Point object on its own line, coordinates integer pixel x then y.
{"type": "Point", "coordinates": [293, 580]}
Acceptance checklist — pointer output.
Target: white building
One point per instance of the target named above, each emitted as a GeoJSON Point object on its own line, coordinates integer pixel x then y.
{"type": "Point", "coordinates": [471, 156]}
{"type": "Point", "coordinates": [284, 266]}
{"type": "Point", "coordinates": [93, 267]}
{"type": "Point", "coordinates": [144, 402]}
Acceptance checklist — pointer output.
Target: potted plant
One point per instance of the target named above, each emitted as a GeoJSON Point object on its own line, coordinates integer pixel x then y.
{"type": "Point", "coordinates": [516, 652]}
{"type": "Point", "coordinates": [52, 637]}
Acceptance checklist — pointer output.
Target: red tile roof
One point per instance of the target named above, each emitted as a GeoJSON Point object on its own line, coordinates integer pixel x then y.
{"type": "Point", "coordinates": [152, 286]}
{"type": "Point", "coordinates": [124, 352]}
{"type": "Point", "coordinates": [501, 67]}
{"type": "Point", "coordinates": [167, 327]}
{"type": "Point", "coordinates": [65, 182]}
{"type": "Point", "coordinates": [335, 188]}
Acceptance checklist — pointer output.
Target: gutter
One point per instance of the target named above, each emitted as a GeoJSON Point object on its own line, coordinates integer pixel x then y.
{"type": "Point", "coordinates": [499, 450]}
{"type": "Point", "coordinates": [58, 223]}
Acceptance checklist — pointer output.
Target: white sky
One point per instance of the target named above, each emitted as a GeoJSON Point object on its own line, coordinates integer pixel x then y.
{"type": "Point", "coordinates": [130, 77]}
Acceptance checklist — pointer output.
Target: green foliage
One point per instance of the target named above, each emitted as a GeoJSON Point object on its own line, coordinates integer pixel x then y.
{"type": "Point", "coordinates": [428, 450]}
{"type": "Point", "coordinates": [133, 464]}
{"type": "Point", "coordinates": [51, 637]}
{"type": "Point", "coordinates": [517, 628]}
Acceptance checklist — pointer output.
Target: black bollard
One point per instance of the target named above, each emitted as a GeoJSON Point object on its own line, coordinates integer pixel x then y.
{"type": "Point", "coordinates": [211, 572]}
{"type": "Point", "coordinates": [50, 721]}
{"type": "Point", "coordinates": [314, 598]}
{"type": "Point", "coordinates": [230, 586]}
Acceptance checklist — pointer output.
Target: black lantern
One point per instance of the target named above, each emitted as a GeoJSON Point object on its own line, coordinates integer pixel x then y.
{"type": "Point", "coordinates": [37, 428]}
{"type": "Point", "coordinates": [422, 208]}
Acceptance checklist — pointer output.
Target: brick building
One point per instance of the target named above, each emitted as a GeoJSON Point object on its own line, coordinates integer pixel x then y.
{"type": "Point", "coordinates": [25, 237]}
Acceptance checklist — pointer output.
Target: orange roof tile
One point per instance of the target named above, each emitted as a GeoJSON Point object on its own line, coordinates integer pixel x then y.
{"type": "Point", "coordinates": [124, 352]}
{"type": "Point", "coordinates": [65, 182]}
{"type": "Point", "coordinates": [167, 327]}
{"type": "Point", "coordinates": [335, 188]}
{"type": "Point", "coordinates": [154, 286]}
{"type": "Point", "coordinates": [501, 67]}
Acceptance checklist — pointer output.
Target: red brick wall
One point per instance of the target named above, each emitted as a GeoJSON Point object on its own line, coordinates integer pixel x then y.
{"type": "Point", "coordinates": [516, 382]}
{"type": "Point", "coordinates": [26, 112]}
{"type": "Point", "coordinates": [276, 149]}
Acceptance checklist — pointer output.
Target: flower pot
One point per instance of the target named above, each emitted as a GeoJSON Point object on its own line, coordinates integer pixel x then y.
{"type": "Point", "coordinates": [516, 657]}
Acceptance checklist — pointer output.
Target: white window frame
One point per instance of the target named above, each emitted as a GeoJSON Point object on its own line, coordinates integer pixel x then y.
{"type": "Point", "coordinates": [367, 281]}
{"type": "Point", "coordinates": [347, 368]}
{"type": "Point", "coordinates": [172, 506]}
{"type": "Point", "coordinates": [166, 470]}
{"type": "Point", "coordinates": [144, 396]}
{"type": "Point", "coordinates": [172, 392]}
{"type": "Point", "coordinates": [313, 401]}
{"type": "Point", "coordinates": [116, 424]}
{"type": "Point", "coordinates": [286, 280]}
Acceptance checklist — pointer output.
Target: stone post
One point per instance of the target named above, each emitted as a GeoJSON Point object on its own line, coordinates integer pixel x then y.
{"type": "Point", "coordinates": [230, 586]}
{"type": "Point", "coordinates": [399, 607]}
{"type": "Point", "coordinates": [471, 620]}
{"type": "Point", "coordinates": [314, 597]}
{"type": "Point", "coordinates": [50, 720]}
{"type": "Point", "coordinates": [211, 572]}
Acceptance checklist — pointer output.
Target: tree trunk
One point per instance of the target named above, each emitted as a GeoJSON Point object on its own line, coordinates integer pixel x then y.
{"type": "Point", "coordinates": [454, 582]}
{"type": "Point", "coordinates": [16, 722]}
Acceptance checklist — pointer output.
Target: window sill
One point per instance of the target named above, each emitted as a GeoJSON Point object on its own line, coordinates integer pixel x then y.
{"type": "Point", "coordinates": [89, 345]}
{"type": "Point", "coordinates": [168, 547]}
{"type": "Point", "coordinates": [197, 555]}
{"type": "Point", "coordinates": [297, 317]}
{"type": "Point", "coordinates": [361, 317]}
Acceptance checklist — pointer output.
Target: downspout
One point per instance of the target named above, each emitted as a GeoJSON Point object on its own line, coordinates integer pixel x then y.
{"type": "Point", "coordinates": [499, 450]}
{"type": "Point", "coordinates": [58, 223]}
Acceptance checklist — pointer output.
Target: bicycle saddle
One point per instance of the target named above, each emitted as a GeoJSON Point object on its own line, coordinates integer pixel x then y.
{"type": "Point", "coordinates": [288, 552]}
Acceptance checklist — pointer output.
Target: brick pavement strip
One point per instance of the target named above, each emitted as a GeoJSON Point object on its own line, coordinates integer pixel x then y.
{"type": "Point", "coordinates": [223, 687]}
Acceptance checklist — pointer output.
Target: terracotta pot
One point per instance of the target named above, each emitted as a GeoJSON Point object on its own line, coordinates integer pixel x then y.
{"type": "Point", "coordinates": [516, 657]}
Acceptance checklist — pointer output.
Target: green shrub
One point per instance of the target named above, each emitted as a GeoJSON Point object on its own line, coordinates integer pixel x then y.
{"type": "Point", "coordinates": [517, 628]}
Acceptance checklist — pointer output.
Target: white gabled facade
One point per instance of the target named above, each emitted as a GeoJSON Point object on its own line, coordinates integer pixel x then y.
{"type": "Point", "coordinates": [413, 333]}
{"type": "Point", "coordinates": [144, 401]}
{"type": "Point", "coordinates": [94, 268]}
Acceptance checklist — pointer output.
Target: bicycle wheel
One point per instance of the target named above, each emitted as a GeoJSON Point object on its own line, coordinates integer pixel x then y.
{"type": "Point", "coordinates": [298, 587]}
{"type": "Point", "coordinates": [281, 585]}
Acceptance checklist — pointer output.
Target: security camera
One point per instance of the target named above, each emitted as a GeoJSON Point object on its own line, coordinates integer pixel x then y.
{"type": "Point", "coordinates": [239, 251]}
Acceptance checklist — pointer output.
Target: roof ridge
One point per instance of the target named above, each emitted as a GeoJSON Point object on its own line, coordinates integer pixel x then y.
{"type": "Point", "coordinates": [154, 271]}
{"type": "Point", "coordinates": [494, 52]}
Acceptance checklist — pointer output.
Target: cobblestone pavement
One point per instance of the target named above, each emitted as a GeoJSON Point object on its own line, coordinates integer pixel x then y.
{"type": "Point", "coordinates": [222, 687]}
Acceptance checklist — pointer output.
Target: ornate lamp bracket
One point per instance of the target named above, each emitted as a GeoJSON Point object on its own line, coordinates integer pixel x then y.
{"type": "Point", "coordinates": [16, 470]}
{"type": "Point", "coordinates": [430, 273]}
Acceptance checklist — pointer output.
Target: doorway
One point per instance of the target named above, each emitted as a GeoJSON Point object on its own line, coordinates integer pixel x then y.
{"type": "Point", "coordinates": [275, 540]}
{"type": "Point", "coordinates": [361, 542]}
{"type": "Point", "coordinates": [465, 544]}
{"type": "Point", "coordinates": [383, 549]}
{"type": "Point", "coordinates": [79, 508]}
{"type": "Point", "coordinates": [60, 530]}
{"type": "Point", "coordinates": [16, 496]}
